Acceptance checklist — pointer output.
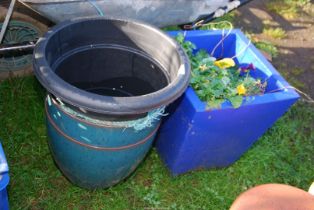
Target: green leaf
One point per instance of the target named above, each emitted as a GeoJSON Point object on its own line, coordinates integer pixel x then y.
{"type": "Point", "coordinates": [236, 101]}
{"type": "Point", "coordinates": [180, 38]}
{"type": "Point", "coordinates": [193, 81]}
{"type": "Point", "coordinates": [201, 93]}
{"type": "Point", "coordinates": [225, 80]}
{"type": "Point", "coordinates": [208, 59]}
{"type": "Point", "coordinates": [214, 104]}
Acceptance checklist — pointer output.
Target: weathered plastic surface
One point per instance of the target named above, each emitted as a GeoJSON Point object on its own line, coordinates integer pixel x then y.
{"type": "Point", "coordinates": [157, 12]}
{"type": "Point", "coordinates": [4, 181]}
{"type": "Point", "coordinates": [94, 156]}
{"type": "Point", "coordinates": [195, 138]}
{"type": "Point", "coordinates": [94, 36]}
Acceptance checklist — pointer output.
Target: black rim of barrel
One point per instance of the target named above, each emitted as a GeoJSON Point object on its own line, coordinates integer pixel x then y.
{"type": "Point", "coordinates": [105, 104]}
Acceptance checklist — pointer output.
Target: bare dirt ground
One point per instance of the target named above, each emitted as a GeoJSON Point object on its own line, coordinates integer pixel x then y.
{"type": "Point", "coordinates": [295, 60]}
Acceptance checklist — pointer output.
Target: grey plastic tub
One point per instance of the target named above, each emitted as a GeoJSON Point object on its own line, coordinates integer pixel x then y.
{"type": "Point", "coordinates": [157, 12]}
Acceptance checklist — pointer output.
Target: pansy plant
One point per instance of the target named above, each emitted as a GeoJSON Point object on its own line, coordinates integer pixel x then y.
{"type": "Point", "coordinates": [216, 81]}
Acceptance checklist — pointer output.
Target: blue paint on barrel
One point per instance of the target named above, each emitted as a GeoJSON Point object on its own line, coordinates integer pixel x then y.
{"type": "Point", "coordinates": [94, 156]}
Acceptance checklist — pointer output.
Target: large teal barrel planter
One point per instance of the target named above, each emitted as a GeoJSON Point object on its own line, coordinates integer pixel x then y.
{"type": "Point", "coordinates": [108, 84]}
{"type": "Point", "coordinates": [95, 155]}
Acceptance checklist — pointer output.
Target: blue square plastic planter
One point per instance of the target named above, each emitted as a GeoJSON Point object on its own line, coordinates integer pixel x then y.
{"type": "Point", "coordinates": [194, 138]}
{"type": "Point", "coordinates": [4, 181]}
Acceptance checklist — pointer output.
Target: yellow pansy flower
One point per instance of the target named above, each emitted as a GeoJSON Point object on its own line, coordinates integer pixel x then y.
{"type": "Point", "coordinates": [225, 63]}
{"type": "Point", "coordinates": [241, 89]}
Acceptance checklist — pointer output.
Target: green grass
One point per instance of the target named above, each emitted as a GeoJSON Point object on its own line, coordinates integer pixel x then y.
{"type": "Point", "coordinates": [284, 9]}
{"type": "Point", "coordinates": [289, 9]}
{"type": "Point", "coordinates": [224, 22]}
{"type": "Point", "coordinates": [283, 155]}
{"type": "Point", "coordinates": [267, 47]}
{"type": "Point", "coordinates": [275, 33]}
